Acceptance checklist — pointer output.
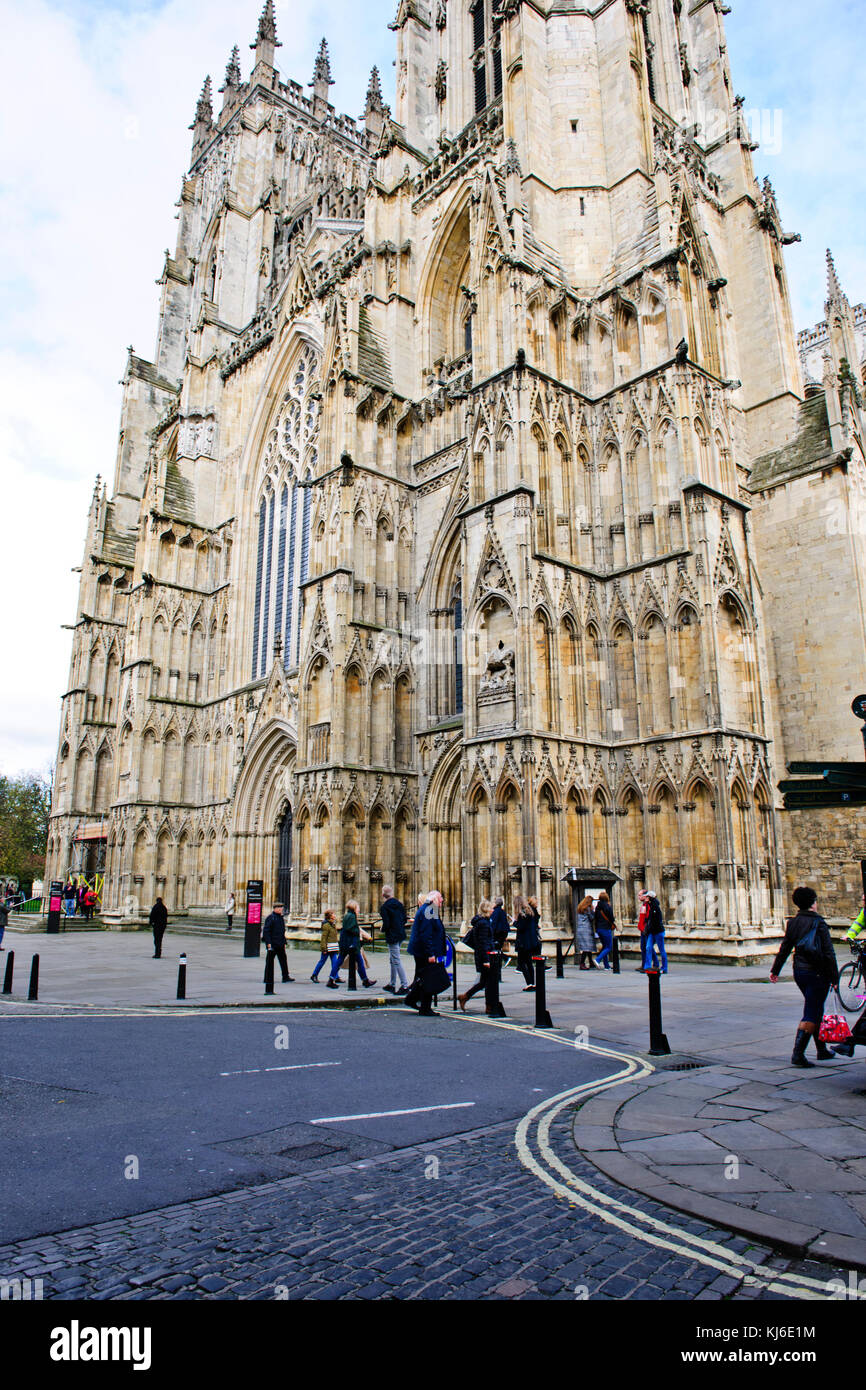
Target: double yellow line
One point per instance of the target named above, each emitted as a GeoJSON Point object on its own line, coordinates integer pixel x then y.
{"type": "Point", "coordinates": [536, 1153]}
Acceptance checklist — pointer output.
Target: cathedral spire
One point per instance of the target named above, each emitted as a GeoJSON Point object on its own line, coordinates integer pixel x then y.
{"type": "Point", "coordinates": [266, 42]}
{"type": "Point", "coordinates": [844, 354]}
{"type": "Point", "coordinates": [204, 106]}
{"type": "Point", "coordinates": [232, 80]}
{"type": "Point", "coordinates": [374, 91]}
{"type": "Point", "coordinates": [203, 124]}
{"type": "Point", "coordinates": [322, 78]}
{"type": "Point", "coordinates": [836, 296]}
{"type": "Point", "coordinates": [374, 110]}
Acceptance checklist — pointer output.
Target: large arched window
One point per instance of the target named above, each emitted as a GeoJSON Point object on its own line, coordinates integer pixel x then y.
{"type": "Point", "coordinates": [283, 532]}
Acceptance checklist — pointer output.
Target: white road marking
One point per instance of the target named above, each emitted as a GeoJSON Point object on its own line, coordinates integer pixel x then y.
{"type": "Point", "coordinates": [381, 1114]}
{"type": "Point", "coordinates": [301, 1066]}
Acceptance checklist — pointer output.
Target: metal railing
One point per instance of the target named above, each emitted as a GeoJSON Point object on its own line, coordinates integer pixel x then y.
{"type": "Point", "coordinates": [33, 905]}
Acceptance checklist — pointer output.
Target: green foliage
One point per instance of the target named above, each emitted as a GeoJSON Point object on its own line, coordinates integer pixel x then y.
{"type": "Point", "coordinates": [24, 806]}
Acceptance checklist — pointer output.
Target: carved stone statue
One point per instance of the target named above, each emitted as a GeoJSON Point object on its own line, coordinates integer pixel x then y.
{"type": "Point", "coordinates": [499, 672]}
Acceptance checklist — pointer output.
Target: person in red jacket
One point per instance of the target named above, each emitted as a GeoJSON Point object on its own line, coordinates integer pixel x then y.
{"type": "Point", "coordinates": [643, 917]}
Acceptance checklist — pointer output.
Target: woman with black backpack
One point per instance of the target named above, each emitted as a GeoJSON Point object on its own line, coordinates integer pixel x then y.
{"type": "Point", "coordinates": [815, 970]}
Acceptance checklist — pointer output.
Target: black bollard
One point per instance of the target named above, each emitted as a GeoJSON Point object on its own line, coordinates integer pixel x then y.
{"type": "Point", "coordinates": [181, 976]}
{"type": "Point", "coordinates": [659, 1045]}
{"type": "Point", "coordinates": [7, 978]}
{"type": "Point", "coordinates": [542, 1017]}
{"type": "Point", "coordinates": [353, 971]}
{"type": "Point", "coordinates": [560, 962]}
{"type": "Point", "coordinates": [491, 991]}
{"type": "Point", "coordinates": [269, 972]}
{"type": "Point", "coordinates": [614, 954]}
{"type": "Point", "coordinates": [454, 977]}
{"type": "Point", "coordinates": [33, 992]}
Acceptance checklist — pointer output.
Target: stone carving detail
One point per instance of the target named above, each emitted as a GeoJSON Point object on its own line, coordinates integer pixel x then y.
{"type": "Point", "coordinates": [196, 437]}
{"type": "Point", "coordinates": [499, 671]}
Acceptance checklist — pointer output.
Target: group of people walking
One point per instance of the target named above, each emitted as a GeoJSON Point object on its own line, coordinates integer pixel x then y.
{"type": "Point", "coordinates": [807, 938]}
{"type": "Point", "coordinates": [427, 946]}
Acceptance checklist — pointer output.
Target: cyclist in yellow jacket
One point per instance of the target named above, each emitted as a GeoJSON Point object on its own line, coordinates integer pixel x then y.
{"type": "Point", "coordinates": [858, 926]}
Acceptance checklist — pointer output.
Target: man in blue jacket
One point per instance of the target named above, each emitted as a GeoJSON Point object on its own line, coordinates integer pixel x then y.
{"type": "Point", "coordinates": [394, 923]}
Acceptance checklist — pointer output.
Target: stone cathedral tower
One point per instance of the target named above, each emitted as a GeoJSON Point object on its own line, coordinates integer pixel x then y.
{"type": "Point", "coordinates": [428, 557]}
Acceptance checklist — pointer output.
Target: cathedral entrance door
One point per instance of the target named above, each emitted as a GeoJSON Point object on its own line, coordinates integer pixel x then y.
{"type": "Point", "coordinates": [284, 863]}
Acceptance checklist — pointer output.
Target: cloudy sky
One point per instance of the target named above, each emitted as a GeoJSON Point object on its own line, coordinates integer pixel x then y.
{"type": "Point", "coordinates": [95, 102]}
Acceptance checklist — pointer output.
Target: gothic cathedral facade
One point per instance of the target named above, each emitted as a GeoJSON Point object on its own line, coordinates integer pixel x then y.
{"type": "Point", "coordinates": [449, 543]}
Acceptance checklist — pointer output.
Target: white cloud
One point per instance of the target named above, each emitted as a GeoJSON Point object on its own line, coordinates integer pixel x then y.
{"type": "Point", "coordinates": [95, 103]}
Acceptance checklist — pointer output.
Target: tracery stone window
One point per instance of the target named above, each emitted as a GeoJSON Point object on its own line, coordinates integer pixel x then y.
{"type": "Point", "coordinates": [485, 17]}
{"type": "Point", "coordinates": [283, 549]}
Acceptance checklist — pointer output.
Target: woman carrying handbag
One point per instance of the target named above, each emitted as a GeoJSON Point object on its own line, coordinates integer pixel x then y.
{"type": "Point", "coordinates": [815, 971]}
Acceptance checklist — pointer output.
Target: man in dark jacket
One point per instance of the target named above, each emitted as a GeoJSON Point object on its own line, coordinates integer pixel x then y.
{"type": "Point", "coordinates": [4, 918]}
{"type": "Point", "coordinates": [430, 942]}
{"type": "Point", "coordinates": [274, 937]}
{"type": "Point", "coordinates": [394, 923]}
{"type": "Point", "coordinates": [499, 923]}
{"type": "Point", "coordinates": [158, 921]}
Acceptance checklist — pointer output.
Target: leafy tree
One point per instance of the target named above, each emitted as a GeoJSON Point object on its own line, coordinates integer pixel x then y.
{"type": "Point", "coordinates": [24, 806]}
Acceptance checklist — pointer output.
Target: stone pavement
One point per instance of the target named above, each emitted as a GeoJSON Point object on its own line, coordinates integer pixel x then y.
{"type": "Point", "coordinates": [740, 1138]}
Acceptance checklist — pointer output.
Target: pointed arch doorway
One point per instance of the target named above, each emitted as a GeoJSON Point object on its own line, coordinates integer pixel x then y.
{"type": "Point", "coordinates": [262, 814]}
{"type": "Point", "coordinates": [444, 812]}
{"type": "Point", "coordinates": [284, 859]}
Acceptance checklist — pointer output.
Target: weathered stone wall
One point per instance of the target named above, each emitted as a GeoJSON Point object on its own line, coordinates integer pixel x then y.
{"type": "Point", "coordinates": [823, 848]}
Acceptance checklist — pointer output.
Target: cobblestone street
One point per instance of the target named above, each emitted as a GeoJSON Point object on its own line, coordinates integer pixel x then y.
{"type": "Point", "coordinates": [390, 1227]}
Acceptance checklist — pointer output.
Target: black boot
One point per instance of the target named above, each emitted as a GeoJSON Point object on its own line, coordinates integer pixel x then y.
{"type": "Point", "coordinates": [824, 1053]}
{"type": "Point", "coordinates": [843, 1049]}
{"type": "Point", "coordinates": [801, 1042]}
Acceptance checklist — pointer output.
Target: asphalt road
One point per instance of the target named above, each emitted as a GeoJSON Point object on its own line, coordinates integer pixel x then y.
{"type": "Point", "coordinates": [107, 1116]}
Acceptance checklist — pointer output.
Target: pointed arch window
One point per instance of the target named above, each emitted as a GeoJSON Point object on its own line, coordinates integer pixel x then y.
{"type": "Point", "coordinates": [281, 558]}
{"type": "Point", "coordinates": [259, 572]}
{"type": "Point", "coordinates": [457, 606]}
{"type": "Point", "coordinates": [283, 555]}
{"type": "Point", "coordinates": [269, 559]}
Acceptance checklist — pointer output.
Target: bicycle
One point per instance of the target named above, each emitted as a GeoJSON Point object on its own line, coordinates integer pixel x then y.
{"type": "Point", "coordinates": [852, 981]}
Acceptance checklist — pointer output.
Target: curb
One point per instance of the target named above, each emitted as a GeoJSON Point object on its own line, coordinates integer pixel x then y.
{"type": "Point", "coordinates": [178, 1006]}
{"type": "Point", "coordinates": [601, 1148]}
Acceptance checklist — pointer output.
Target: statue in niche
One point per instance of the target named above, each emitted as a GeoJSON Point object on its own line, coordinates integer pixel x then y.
{"type": "Point", "coordinates": [499, 671]}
